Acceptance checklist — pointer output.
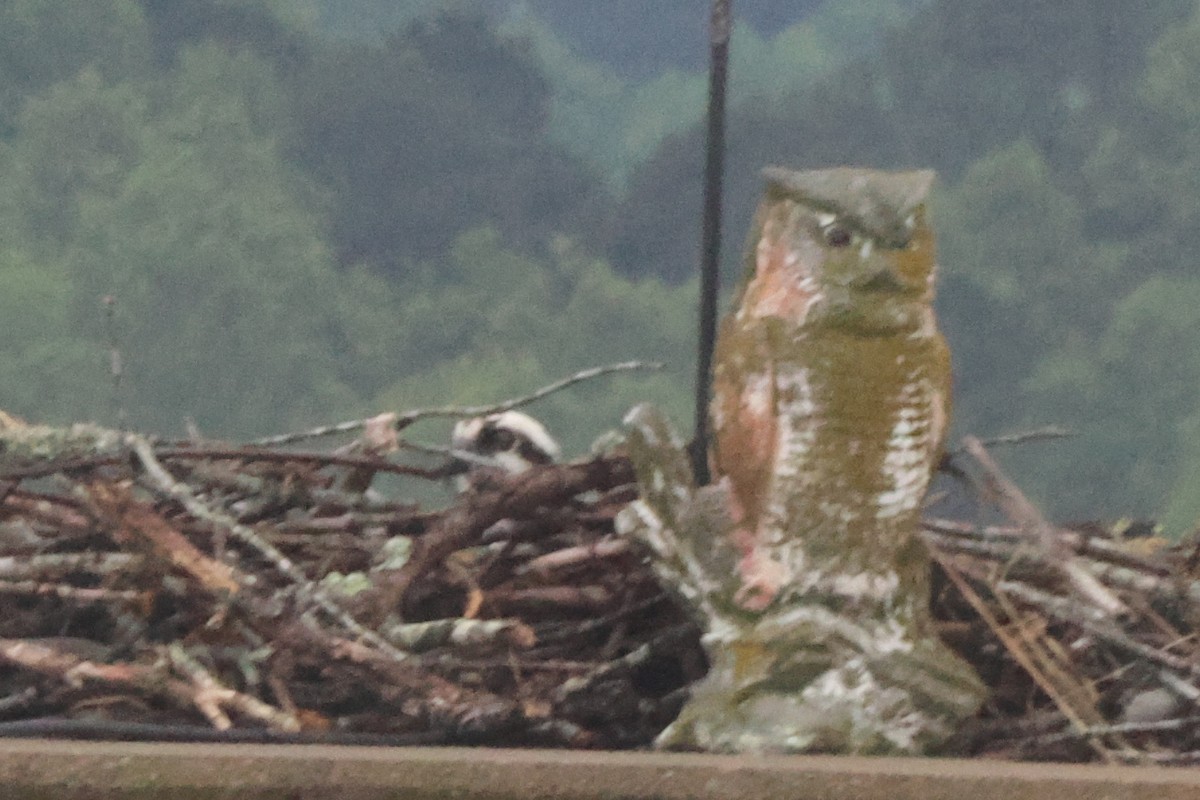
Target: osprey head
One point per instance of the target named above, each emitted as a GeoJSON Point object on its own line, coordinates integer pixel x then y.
{"type": "Point", "coordinates": [509, 440]}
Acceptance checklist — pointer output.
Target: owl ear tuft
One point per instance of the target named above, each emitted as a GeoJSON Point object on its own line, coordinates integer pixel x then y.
{"type": "Point", "coordinates": [878, 203]}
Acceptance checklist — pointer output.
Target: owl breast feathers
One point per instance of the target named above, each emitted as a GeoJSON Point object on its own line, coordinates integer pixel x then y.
{"type": "Point", "coordinates": [831, 382]}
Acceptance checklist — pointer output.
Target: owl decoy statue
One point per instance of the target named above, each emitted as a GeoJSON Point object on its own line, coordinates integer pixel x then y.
{"type": "Point", "coordinates": [831, 393]}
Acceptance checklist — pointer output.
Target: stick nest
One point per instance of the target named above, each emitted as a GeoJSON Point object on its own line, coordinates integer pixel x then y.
{"type": "Point", "coordinates": [194, 591]}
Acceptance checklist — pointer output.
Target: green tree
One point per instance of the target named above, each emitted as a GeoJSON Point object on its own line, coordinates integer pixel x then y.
{"type": "Point", "coordinates": [1025, 296]}
{"type": "Point", "coordinates": [79, 137]}
{"type": "Point", "coordinates": [1143, 178]}
{"type": "Point", "coordinates": [1135, 409]}
{"type": "Point", "coordinates": [275, 30]}
{"type": "Point", "coordinates": [486, 323]}
{"type": "Point", "coordinates": [615, 122]}
{"type": "Point", "coordinates": [44, 43]}
{"type": "Point", "coordinates": [1019, 242]}
{"type": "Point", "coordinates": [47, 374]}
{"type": "Point", "coordinates": [183, 210]}
{"type": "Point", "coordinates": [953, 82]}
{"type": "Point", "coordinates": [1144, 172]}
{"type": "Point", "coordinates": [370, 19]}
{"type": "Point", "coordinates": [437, 129]}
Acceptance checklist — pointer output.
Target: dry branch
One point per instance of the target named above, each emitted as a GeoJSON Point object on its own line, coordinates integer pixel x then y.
{"type": "Point", "coordinates": [198, 582]}
{"type": "Point", "coordinates": [1025, 514]}
{"type": "Point", "coordinates": [256, 589]}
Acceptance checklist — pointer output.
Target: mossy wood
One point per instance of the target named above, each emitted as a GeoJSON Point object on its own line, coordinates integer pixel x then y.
{"type": "Point", "coordinates": [831, 394]}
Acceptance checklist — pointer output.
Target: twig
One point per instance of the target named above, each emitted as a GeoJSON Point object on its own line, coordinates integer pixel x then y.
{"type": "Point", "coordinates": [116, 367]}
{"type": "Point", "coordinates": [1028, 653]}
{"type": "Point", "coordinates": [75, 671]}
{"type": "Point", "coordinates": [665, 640]}
{"type": "Point", "coordinates": [581, 628]}
{"type": "Point", "coordinates": [419, 637]}
{"type": "Point", "coordinates": [573, 556]}
{"type": "Point", "coordinates": [1017, 506]}
{"type": "Point", "coordinates": [219, 524]}
{"type": "Point", "coordinates": [36, 450]}
{"type": "Point", "coordinates": [403, 420]}
{"type": "Point", "coordinates": [589, 597]}
{"type": "Point", "coordinates": [74, 593]}
{"type": "Point", "coordinates": [1160, 726]}
{"type": "Point", "coordinates": [131, 521]}
{"type": "Point", "coordinates": [304, 585]}
{"type": "Point", "coordinates": [1044, 434]}
{"type": "Point", "coordinates": [55, 565]}
{"type": "Point", "coordinates": [578, 377]}
{"type": "Point", "coordinates": [1095, 622]}
{"type": "Point", "coordinates": [209, 696]}
{"type": "Point", "coordinates": [255, 453]}
{"type": "Point", "coordinates": [513, 497]}
{"type": "Point", "coordinates": [1005, 542]}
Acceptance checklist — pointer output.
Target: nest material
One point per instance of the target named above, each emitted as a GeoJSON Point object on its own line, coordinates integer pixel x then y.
{"type": "Point", "coordinates": [260, 593]}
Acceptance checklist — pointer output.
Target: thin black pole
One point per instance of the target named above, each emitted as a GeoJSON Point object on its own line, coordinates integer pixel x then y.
{"type": "Point", "coordinates": [720, 27]}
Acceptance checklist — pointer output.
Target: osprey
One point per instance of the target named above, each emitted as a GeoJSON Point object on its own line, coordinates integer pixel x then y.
{"type": "Point", "coordinates": [509, 440]}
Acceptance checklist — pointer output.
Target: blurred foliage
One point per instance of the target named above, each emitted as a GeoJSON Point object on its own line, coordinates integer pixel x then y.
{"type": "Point", "coordinates": [432, 131]}
{"type": "Point", "coordinates": [614, 122]}
{"type": "Point", "coordinates": [45, 42]}
{"type": "Point", "coordinates": [188, 216]}
{"type": "Point", "coordinates": [481, 335]}
{"type": "Point", "coordinates": [309, 210]}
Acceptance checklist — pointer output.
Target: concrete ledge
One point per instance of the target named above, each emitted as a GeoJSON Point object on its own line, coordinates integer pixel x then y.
{"type": "Point", "coordinates": [108, 771]}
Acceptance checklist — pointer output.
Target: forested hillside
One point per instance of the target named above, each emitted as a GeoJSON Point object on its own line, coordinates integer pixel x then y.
{"type": "Point", "coordinates": [306, 211]}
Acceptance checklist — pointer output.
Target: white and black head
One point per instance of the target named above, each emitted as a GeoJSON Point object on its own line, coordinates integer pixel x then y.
{"type": "Point", "coordinates": [509, 440]}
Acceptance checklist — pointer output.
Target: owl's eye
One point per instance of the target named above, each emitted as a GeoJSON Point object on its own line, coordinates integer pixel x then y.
{"type": "Point", "coordinates": [837, 236]}
{"type": "Point", "coordinates": [494, 440]}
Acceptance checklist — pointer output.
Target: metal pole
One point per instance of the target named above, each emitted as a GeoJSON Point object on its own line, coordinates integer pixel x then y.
{"type": "Point", "coordinates": [710, 248]}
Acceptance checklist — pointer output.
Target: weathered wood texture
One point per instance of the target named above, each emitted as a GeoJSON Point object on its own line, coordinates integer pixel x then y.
{"type": "Point", "coordinates": [106, 771]}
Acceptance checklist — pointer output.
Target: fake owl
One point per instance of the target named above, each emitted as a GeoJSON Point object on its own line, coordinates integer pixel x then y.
{"type": "Point", "coordinates": [831, 391]}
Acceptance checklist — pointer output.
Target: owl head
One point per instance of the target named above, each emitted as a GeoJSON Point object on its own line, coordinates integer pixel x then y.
{"type": "Point", "coordinates": [844, 248]}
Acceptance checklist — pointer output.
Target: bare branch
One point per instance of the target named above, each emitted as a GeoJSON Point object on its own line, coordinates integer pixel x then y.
{"type": "Point", "coordinates": [406, 418]}
{"type": "Point", "coordinates": [1041, 533]}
